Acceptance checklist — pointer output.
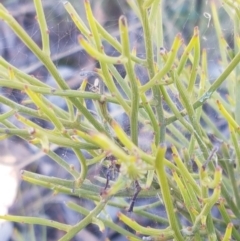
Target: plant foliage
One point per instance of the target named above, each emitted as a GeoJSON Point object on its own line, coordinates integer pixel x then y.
{"type": "Point", "coordinates": [190, 164]}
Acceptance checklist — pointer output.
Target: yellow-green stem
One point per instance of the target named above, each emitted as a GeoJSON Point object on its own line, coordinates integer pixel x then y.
{"type": "Point", "coordinates": [165, 190]}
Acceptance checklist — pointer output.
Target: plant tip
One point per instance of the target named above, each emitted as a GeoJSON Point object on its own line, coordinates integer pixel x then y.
{"type": "Point", "coordinates": [119, 214]}
{"type": "Point", "coordinates": [162, 145]}
{"type": "Point", "coordinates": [230, 225]}
{"type": "Point", "coordinates": [80, 37]}
{"type": "Point", "coordinates": [45, 150]}
{"type": "Point", "coordinates": [123, 20]}
{"type": "Point", "coordinates": [179, 35]}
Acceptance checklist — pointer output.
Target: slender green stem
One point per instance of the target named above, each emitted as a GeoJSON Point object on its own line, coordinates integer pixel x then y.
{"type": "Point", "coordinates": [205, 212]}
{"type": "Point", "coordinates": [219, 32]}
{"type": "Point", "coordinates": [165, 190]}
{"type": "Point", "coordinates": [145, 103]}
{"type": "Point", "coordinates": [237, 70]}
{"type": "Point", "coordinates": [179, 133]}
{"type": "Point", "coordinates": [145, 230]}
{"type": "Point", "coordinates": [186, 52]}
{"type": "Point", "coordinates": [85, 193]}
{"type": "Point", "coordinates": [7, 115]}
{"type": "Point", "coordinates": [77, 20]}
{"type": "Point", "coordinates": [110, 39]}
{"type": "Point", "coordinates": [236, 147]}
{"type": "Point", "coordinates": [101, 108]}
{"type": "Point", "coordinates": [59, 92]}
{"type": "Point", "coordinates": [83, 223]}
{"type": "Point", "coordinates": [159, 29]}
{"type": "Point", "coordinates": [43, 27]}
{"type": "Point", "coordinates": [123, 28]}
{"type": "Point", "coordinates": [195, 64]}
{"type": "Point", "coordinates": [184, 171]}
{"type": "Point", "coordinates": [106, 222]}
{"type": "Point", "coordinates": [230, 171]}
{"type": "Point", "coordinates": [87, 190]}
{"type": "Point", "coordinates": [22, 109]}
{"type": "Point", "coordinates": [96, 54]}
{"type": "Point", "coordinates": [44, 109]}
{"type": "Point", "coordinates": [69, 168]}
{"type": "Point", "coordinates": [106, 77]}
{"type": "Point", "coordinates": [70, 110]}
{"type": "Point", "coordinates": [152, 216]}
{"type": "Point", "coordinates": [167, 67]}
{"type": "Point", "coordinates": [175, 110]}
{"type": "Point", "coordinates": [159, 133]}
{"type": "Point", "coordinates": [228, 196]}
{"type": "Point", "coordinates": [192, 116]}
{"type": "Point", "coordinates": [56, 139]}
{"type": "Point", "coordinates": [227, 219]}
{"type": "Point", "coordinates": [153, 16]}
{"type": "Point", "coordinates": [217, 83]}
{"type": "Point", "coordinates": [94, 189]}
{"type": "Point", "coordinates": [46, 60]}
{"type": "Point", "coordinates": [151, 115]}
{"type": "Point", "coordinates": [124, 85]}
{"type": "Point", "coordinates": [22, 75]}
{"type": "Point", "coordinates": [84, 167]}
{"type": "Point", "coordinates": [147, 3]}
{"type": "Point", "coordinates": [96, 159]}
{"type": "Point", "coordinates": [38, 221]}
{"type": "Point", "coordinates": [206, 118]}
{"type": "Point", "coordinates": [129, 144]}
{"type": "Point", "coordinates": [134, 7]}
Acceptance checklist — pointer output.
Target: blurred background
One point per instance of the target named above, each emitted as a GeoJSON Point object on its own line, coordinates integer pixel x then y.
{"type": "Point", "coordinates": [21, 198]}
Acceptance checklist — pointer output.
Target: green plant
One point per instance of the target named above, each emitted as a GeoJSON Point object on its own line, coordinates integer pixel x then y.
{"type": "Point", "coordinates": [185, 191]}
